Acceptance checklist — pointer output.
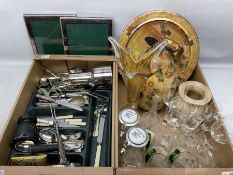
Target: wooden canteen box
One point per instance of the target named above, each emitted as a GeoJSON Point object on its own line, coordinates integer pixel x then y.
{"type": "Point", "coordinates": [58, 63]}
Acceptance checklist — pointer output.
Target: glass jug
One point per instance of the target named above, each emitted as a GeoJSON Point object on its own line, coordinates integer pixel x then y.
{"type": "Point", "coordinates": [136, 67]}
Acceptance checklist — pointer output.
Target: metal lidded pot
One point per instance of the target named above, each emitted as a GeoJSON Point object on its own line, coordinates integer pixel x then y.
{"type": "Point", "coordinates": [102, 75]}
{"type": "Point", "coordinates": [128, 118]}
{"type": "Point", "coordinates": [137, 137]}
{"type": "Point", "coordinates": [135, 146]}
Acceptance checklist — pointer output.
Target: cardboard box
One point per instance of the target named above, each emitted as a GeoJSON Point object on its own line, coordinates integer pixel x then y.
{"type": "Point", "coordinates": [55, 64]}
{"type": "Point", "coordinates": [224, 152]}
{"type": "Point", "coordinates": [58, 63]}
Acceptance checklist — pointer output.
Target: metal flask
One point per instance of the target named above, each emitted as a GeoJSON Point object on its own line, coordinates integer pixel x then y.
{"type": "Point", "coordinates": [102, 75]}
{"type": "Point", "coordinates": [83, 78]}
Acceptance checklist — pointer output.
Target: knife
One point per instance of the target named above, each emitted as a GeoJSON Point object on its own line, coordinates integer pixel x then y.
{"type": "Point", "coordinates": [60, 102]}
{"type": "Point", "coordinates": [99, 140]}
{"type": "Point", "coordinates": [91, 94]}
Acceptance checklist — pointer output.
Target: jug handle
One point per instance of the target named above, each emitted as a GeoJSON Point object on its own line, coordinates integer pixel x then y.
{"type": "Point", "coordinates": [117, 47]}
{"type": "Point", "coordinates": [159, 48]}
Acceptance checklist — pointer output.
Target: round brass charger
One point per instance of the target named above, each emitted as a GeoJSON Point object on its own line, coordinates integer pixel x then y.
{"type": "Point", "coordinates": [147, 29]}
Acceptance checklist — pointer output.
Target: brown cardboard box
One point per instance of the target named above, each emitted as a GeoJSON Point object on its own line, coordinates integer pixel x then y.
{"type": "Point", "coordinates": [55, 64]}
{"type": "Point", "coordinates": [224, 152]}
{"type": "Point", "coordinates": [59, 63]}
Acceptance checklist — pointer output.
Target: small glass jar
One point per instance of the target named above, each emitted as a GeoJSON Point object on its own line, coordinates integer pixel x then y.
{"type": "Point", "coordinates": [128, 118]}
{"type": "Point", "coordinates": [135, 144]}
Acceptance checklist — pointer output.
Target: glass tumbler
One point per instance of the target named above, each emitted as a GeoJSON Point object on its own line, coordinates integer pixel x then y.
{"type": "Point", "coordinates": [221, 127]}
{"type": "Point", "coordinates": [157, 157]}
{"type": "Point", "coordinates": [184, 160]}
{"type": "Point", "coordinates": [175, 113]}
{"type": "Point", "coordinates": [191, 123]}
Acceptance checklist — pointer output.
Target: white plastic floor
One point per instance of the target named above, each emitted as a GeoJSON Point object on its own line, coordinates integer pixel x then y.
{"type": "Point", "coordinates": [220, 80]}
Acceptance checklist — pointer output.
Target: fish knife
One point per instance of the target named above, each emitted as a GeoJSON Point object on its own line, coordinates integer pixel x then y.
{"type": "Point", "coordinates": [60, 102]}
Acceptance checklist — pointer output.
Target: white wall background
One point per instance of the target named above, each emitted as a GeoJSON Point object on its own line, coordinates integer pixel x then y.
{"type": "Point", "coordinates": [212, 20]}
